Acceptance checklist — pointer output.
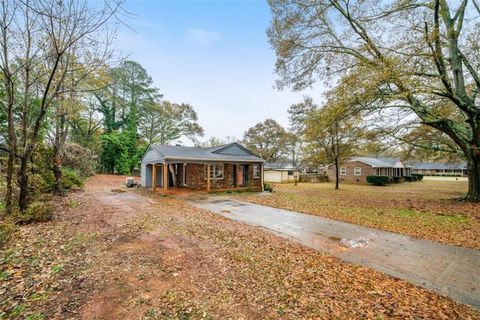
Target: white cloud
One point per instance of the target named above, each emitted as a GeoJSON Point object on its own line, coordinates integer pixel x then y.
{"type": "Point", "coordinates": [201, 37]}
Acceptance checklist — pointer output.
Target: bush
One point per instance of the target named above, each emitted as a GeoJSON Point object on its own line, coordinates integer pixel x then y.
{"type": "Point", "coordinates": [418, 175]}
{"type": "Point", "coordinates": [70, 179]}
{"type": "Point", "coordinates": [267, 187]}
{"type": "Point", "coordinates": [80, 159]}
{"type": "Point", "coordinates": [378, 180]}
{"type": "Point", "coordinates": [7, 229]}
{"type": "Point", "coordinates": [36, 212]}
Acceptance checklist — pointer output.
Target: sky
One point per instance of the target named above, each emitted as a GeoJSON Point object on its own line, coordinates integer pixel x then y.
{"type": "Point", "coordinates": [214, 55]}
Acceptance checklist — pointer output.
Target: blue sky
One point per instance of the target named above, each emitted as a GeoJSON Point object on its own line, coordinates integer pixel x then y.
{"type": "Point", "coordinates": [212, 54]}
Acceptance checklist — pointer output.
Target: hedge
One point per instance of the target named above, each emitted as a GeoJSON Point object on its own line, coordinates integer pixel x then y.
{"type": "Point", "coordinates": [418, 175]}
{"type": "Point", "coordinates": [378, 180]}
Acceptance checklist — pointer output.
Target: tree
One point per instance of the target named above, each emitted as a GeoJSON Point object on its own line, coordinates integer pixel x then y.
{"type": "Point", "coordinates": [332, 135]}
{"type": "Point", "coordinates": [128, 89]}
{"type": "Point", "coordinates": [39, 41]}
{"type": "Point", "coordinates": [267, 139]}
{"type": "Point", "coordinates": [299, 113]}
{"type": "Point", "coordinates": [215, 142]}
{"type": "Point", "coordinates": [414, 55]}
{"type": "Point", "coordinates": [164, 122]}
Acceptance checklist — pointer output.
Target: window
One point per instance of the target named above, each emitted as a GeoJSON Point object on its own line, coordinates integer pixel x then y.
{"type": "Point", "coordinates": [216, 171]}
{"type": "Point", "coordinates": [357, 171]}
{"type": "Point", "coordinates": [343, 171]}
{"type": "Point", "coordinates": [290, 172]}
{"type": "Point", "coordinates": [256, 171]}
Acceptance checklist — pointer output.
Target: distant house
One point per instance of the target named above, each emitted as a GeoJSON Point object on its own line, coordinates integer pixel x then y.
{"type": "Point", "coordinates": [229, 166]}
{"type": "Point", "coordinates": [440, 168]}
{"type": "Point", "coordinates": [280, 172]}
{"type": "Point", "coordinates": [358, 168]}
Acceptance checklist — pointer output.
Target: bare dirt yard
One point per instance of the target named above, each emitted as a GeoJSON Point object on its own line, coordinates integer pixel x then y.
{"type": "Point", "coordinates": [111, 254]}
{"type": "Point", "coordinates": [428, 209]}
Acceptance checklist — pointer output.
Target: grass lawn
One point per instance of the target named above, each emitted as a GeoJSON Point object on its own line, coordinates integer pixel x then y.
{"type": "Point", "coordinates": [137, 255]}
{"type": "Point", "coordinates": [428, 209]}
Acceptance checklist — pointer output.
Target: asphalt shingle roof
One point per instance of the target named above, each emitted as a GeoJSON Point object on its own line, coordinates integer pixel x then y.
{"type": "Point", "coordinates": [379, 162]}
{"type": "Point", "coordinates": [279, 166]}
{"type": "Point", "coordinates": [207, 154]}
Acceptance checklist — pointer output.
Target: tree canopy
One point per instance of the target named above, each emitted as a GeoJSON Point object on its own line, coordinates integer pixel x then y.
{"type": "Point", "coordinates": [421, 57]}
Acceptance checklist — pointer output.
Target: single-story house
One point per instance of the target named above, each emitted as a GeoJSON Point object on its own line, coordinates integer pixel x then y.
{"type": "Point", "coordinates": [357, 169]}
{"type": "Point", "coordinates": [440, 168]}
{"type": "Point", "coordinates": [280, 172]}
{"type": "Point", "coordinates": [225, 167]}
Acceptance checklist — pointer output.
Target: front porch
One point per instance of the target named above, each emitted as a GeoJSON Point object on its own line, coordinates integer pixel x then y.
{"type": "Point", "coordinates": [175, 177]}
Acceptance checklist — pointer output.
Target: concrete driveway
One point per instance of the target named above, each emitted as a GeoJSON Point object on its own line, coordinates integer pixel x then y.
{"type": "Point", "coordinates": [448, 270]}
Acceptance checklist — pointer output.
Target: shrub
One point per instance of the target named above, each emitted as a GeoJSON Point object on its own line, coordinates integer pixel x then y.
{"type": "Point", "coordinates": [267, 187]}
{"type": "Point", "coordinates": [418, 175]}
{"type": "Point", "coordinates": [70, 179]}
{"type": "Point", "coordinates": [378, 180]}
{"type": "Point", "coordinates": [7, 229]}
{"type": "Point", "coordinates": [36, 212]}
{"type": "Point", "coordinates": [80, 159]}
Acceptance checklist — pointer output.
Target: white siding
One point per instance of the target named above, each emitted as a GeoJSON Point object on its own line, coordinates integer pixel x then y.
{"type": "Point", "coordinates": [272, 176]}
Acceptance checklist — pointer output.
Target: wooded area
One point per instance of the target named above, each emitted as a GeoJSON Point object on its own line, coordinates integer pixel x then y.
{"type": "Point", "coordinates": [69, 106]}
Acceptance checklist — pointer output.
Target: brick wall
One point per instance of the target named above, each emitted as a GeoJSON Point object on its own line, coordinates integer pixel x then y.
{"type": "Point", "coordinates": [195, 178]}
{"type": "Point", "coordinates": [350, 177]}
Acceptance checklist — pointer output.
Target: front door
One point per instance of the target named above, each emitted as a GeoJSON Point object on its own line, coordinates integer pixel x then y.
{"type": "Point", "coordinates": [245, 174]}
{"type": "Point", "coordinates": [240, 174]}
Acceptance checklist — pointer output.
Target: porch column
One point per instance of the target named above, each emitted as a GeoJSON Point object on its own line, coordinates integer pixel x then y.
{"type": "Point", "coordinates": [236, 175]}
{"type": "Point", "coordinates": [208, 177]}
{"type": "Point", "coordinates": [154, 177]}
{"type": "Point", "coordinates": [165, 176]}
{"type": "Point", "coordinates": [261, 176]}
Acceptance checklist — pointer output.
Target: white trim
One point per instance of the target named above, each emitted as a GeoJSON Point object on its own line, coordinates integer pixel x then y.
{"type": "Point", "coordinates": [213, 171]}
{"type": "Point", "coordinates": [359, 173]}
{"type": "Point", "coordinates": [256, 171]}
{"type": "Point", "coordinates": [343, 171]}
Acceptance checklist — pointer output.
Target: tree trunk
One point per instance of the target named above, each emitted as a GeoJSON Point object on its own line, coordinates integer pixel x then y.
{"type": "Point", "coordinates": [337, 177]}
{"type": "Point", "coordinates": [473, 168]}
{"type": "Point", "coordinates": [57, 170]}
{"type": "Point", "coordinates": [23, 183]}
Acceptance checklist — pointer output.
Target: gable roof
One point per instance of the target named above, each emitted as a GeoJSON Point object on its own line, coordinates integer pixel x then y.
{"type": "Point", "coordinates": [228, 152]}
{"type": "Point", "coordinates": [439, 166]}
{"type": "Point", "coordinates": [279, 166]}
{"type": "Point", "coordinates": [385, 162]}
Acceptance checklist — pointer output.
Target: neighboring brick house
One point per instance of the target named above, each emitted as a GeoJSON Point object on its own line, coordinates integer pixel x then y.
{"type": "Point", "coordinates": [356, 170]}
{"type": "Point", "coordinates": [225, 167]}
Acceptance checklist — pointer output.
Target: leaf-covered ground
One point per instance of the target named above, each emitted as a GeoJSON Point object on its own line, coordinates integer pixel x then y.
{"type": "Point", "coordinates": [136, 255]}
{"type": "Point", "coordinates": [427, 209]}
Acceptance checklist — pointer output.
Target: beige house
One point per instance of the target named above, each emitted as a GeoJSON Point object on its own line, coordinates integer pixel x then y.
{"type": "Point", "coordinates": [280, 172]}
{"type": "Point", "coordinates": [356, 170]}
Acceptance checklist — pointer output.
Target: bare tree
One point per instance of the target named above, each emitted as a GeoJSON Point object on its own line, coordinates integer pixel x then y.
{"type": "Point", "coordinates": [44, 42]}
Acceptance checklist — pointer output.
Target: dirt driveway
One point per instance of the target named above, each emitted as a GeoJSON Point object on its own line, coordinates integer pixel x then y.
{"type": "Point", "coordinates": [110, 254]}
{"type": "Point", "coordinates": [449, 270]}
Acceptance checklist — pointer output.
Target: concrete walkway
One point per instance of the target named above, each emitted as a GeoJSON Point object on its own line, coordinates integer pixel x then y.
{"type": "Point", "coordinates": [448, 270]}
